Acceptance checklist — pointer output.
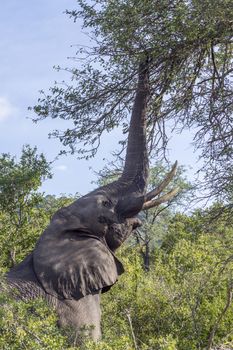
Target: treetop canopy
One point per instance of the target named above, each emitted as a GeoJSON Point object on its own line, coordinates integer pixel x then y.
{"type": "Point", "coordinates": [189, 44]}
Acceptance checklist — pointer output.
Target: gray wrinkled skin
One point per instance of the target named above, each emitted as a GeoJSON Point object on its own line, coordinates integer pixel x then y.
{"type": "Point", "coordinates": [73, 262]}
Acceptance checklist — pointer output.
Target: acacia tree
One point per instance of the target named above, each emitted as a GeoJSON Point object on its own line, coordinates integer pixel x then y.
{"type": "Point", "coordinates": [187, 45]}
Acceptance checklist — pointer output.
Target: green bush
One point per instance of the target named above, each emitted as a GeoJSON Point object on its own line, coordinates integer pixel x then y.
{"type": "Point", "coordinates": [183, 299]}
{"type": "Point", "coordinates": [28, 325]}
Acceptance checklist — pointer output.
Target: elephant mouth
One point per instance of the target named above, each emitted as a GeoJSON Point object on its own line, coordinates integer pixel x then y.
{"type": "Point", "coordinates": [116, 230]}
{"type": "Point", "coordinates": [104, 220]}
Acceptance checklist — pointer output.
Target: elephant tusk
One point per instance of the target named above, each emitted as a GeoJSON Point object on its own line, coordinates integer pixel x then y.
{"type": "Point", "coordinates": [166, 197]}
{"type": "Point", "coordinates": [150, 195]}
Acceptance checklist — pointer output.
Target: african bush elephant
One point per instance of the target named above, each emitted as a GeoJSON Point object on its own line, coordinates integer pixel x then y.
{"type": "Point", "coordinates": [74, 261]}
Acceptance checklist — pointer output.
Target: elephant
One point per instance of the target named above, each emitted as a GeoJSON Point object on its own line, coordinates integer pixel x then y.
{"type": "Point", "coordinates": [74, 260]}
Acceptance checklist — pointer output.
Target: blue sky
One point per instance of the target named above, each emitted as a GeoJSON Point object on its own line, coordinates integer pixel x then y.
{"type": "Point", "coordinates": [35, 36]}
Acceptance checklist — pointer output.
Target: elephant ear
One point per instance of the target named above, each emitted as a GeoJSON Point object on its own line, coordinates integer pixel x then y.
{"type": "Point", "coordinates": [72, 265]}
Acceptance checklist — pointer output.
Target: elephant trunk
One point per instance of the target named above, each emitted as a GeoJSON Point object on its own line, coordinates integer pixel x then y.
{"type": "Point", "coordinates": [133, 180]}
{"type": "Point", "coordinates": [135, 173]}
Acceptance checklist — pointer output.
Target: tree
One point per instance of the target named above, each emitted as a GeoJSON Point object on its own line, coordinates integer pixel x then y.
{"type": "Point", "coordinates": [188, 45]}
{"type": "Point", "coordinates": [156, 220]}
{"type": "Point", "coordinates": [19, 202]}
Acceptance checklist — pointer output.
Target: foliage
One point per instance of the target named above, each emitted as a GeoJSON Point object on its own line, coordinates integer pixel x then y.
{"type": "Point", "coordinates": [184, 302]}
{"type": "Point", "coordinates": [20, 181]}
{"type": "Point", "coordinates": [189, 44]}
{"type": "Point", "coordinates": [21, 222]}
{"type": "Point", "coordinates": [29, 325]}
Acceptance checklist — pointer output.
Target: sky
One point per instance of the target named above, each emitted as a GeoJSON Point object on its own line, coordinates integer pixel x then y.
{"type": "Point", "coordinates": [35, 36]}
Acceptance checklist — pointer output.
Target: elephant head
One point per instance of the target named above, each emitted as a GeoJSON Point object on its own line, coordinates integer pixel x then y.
{"type": "Point", "coordinates": [74, 256]}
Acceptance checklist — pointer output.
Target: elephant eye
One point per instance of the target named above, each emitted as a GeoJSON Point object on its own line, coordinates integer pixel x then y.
{"type": "Point", "coordinates": [107, 204]}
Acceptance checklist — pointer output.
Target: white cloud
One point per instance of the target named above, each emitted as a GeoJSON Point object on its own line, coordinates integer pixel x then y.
{"type": "Point", "coordinates": [6, 109]}
{"type": "Point", "coordinates": [61, 167]}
